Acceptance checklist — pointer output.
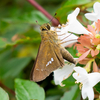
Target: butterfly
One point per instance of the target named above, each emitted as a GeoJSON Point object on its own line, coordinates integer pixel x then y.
{"type": "Point", "coordinates": [50, 55]}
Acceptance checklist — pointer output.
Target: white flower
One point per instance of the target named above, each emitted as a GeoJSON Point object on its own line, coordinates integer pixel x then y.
{"type": "Point", "coordinates": [94, 16]}
{"type": "Point", "coordinates": [74, 25]}
{"type": "Point", "coordinates": [63, 73]}
{"type": "Point", "coordinates": [88, 81]}
{"type": "Point", "coordinates": [65, 37]}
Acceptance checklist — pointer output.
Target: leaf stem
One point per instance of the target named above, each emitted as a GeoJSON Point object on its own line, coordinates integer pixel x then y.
{"type": "Point", "coordinates": [55, 22]}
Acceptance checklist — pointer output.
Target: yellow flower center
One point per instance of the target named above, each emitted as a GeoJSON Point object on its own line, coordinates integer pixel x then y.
{"type": "Point", "coordinates": [79, 54]}
{"type": "Point", "coordinates": [93, 26]}
{"type": "Point", "coordinates": [97, 36]}
{"type": "Point", "coordinates": [98, 47]}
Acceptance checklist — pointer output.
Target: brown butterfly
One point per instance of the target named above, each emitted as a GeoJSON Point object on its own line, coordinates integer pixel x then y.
{"type": "Point", "coordinates": [50, 56]}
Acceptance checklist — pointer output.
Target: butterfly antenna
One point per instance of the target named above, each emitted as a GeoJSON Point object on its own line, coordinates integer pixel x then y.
{"type": "Point", "coordinates": [37, 23]}
{"type": "Point", "coordinates": [52, 17]}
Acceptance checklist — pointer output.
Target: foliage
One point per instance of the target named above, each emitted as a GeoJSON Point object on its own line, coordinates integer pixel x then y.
{"type": "Point", "coordinates": [19, 43]}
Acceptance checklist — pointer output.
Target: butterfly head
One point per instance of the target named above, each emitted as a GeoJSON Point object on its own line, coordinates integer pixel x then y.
{"type": "Point", "coordinates": [45, 27]}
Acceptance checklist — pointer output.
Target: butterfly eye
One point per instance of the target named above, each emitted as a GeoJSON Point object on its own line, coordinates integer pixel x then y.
{"type": "Point", "coordinates": [43, 29]}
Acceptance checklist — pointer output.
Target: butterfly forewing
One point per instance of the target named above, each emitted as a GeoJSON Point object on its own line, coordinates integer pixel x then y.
{"type": "Point", "coordinates": [47, 61]}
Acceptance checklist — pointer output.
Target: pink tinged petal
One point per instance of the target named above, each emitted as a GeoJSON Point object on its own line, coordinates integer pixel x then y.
{"type": "Point", "coordinates": [87, 91]}
{"type": "Point", "coordinates": [85, 41]}
{"type": "Point", "coordinates": [95, 41]}
{"type": "Point", "coordinates": [92, 30]}
{"type": "Point", "coordinates": [94, 52]}
{"type": "Point", "coordinates": [84, 61]}
{"type": "Point", "coordinates": [81, 48]}
{"type": "Point", "coordinates": [95, 67]}
{"type": "Point", "coordinates": [63, 73]}
{"type": "Point", "coordinates": [84, 55]}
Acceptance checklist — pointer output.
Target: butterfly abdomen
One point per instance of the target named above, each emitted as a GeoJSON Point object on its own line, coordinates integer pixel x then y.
{"type": "Point", "coordinates": [66, 55]}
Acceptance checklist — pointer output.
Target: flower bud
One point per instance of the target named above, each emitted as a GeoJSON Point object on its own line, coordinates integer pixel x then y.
{"type": "Point", "coordinates": [79, 54]}
{"type": "Point", "coordinates": [98, 47]}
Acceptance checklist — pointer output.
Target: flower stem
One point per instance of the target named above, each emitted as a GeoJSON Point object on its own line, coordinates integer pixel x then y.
{"type": "Point", "coordinates": [55, 22]}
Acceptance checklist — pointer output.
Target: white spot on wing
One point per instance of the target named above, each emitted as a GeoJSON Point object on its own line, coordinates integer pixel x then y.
{"type": "Point", "coordinates": [49, 62]}
{"type": "Point", "coordinates": [52, 59]}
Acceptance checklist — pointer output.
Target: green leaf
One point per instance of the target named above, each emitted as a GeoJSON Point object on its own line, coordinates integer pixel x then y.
{"type": "Point", "coordinates": [70, 81]}
{"type": "Point", "coordinates": [55, 97]}
{"type": "Point", "coordinates": [16, 28]}
{"type": "Point", "coordinates": [2, 42]}
{"type": "Point", "coordinates": [72, 51]}
{"type": "Point", "coordinates": [13, 67]}
{"type": "Point", "coordinates": [76, 2]}
{"type": "Point", "coordinates": [73, 94]}
{"type": "Point", "coordinates": [34, 16]}
{"type": "Point", "coordinates": [68, 7]}
{"type": "Point", "coordinates": [97, 87]}
{"type": "Point", "coordinates": [28, 90]}
{"type": "Point", "coordinates": [3, 95]}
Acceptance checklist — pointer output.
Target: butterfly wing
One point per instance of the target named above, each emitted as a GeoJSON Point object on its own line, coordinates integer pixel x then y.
{"type": "Point", "coordinates": [48, 59]}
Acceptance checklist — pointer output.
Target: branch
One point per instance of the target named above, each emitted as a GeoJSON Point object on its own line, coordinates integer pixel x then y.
{"type": "Point", "coordinates": [37, 6]}
{"type": "Point", "coordinates": [7, 89]}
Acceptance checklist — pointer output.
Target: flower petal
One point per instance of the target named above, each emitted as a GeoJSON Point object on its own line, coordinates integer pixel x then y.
{"type": "Point", "coordinates": [69, 38]}
{"type": "Point", "coordinates": [96, 14]}
{"type": "Point", "coordinates": [74, 25]}
{"type": "Point", "coordinates": [63, 73]}
{"type": "Point", "coordinates": [80, 70]}
{"type": "Point", "coordinates": [65, 37]}
{"type": "Point", "coordinates": [92, 30]}
{"type": "Point", "coordinates": [80, 78]}
{"type": "Point", "coordinates": [88, 81]}
{"type": "Point", "coordinates": [80, 75]}
{"type": "Point", "coordinates": [84, 55]}
{"type": "Point", "coordinates": [96, 7]}
{"type": "Point", "coordinates": [94, 78]}
{"type": "Point", "coordinates": [94, 52]}
{"type": "Point", "coordinates": [95, 67]}
{"type": "Point", "coordinates": [91, 16]}
{"type": "Point", "coordinates": [87, 91]}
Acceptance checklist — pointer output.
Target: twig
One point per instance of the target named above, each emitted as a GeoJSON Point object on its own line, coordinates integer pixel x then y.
{"type": "Point", "coordinates": [41, 9]}
{"type": "Point", "coordinates": [7, 89]}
